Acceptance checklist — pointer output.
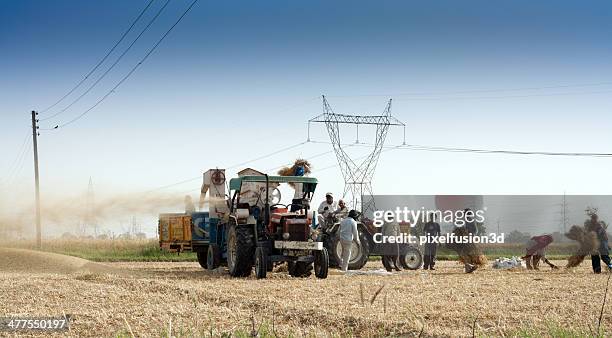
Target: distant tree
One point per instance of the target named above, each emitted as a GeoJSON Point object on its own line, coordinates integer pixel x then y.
{"type": "Point", "coordinates": [417, 230]}
{"type": "Point", "coordinates": [517, 237]}
{"type": "Point", "coordinates": [558, 237]}
{"type": "Point", "coordinates": [481, 228]}
{"type": "Point", "coordinates": [67, 235]}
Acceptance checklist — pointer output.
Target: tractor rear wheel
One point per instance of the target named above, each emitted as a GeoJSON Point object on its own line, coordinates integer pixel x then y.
{"type": "Point", "coordinates": [261, 262]}
{"type": "Point", "coordinates": [321, 263]}
{"type": "Point", "coordinates": [411, 258]}
{"type": "Point", "coordinates": [213, 257]}
{"type": "Point", "coordinates": [300, 269]}
{"type": "Point", "coordinates": [240, 250]}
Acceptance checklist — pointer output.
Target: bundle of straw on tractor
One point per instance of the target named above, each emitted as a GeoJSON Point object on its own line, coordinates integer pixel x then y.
{"type": "Point", "coordinates": [291, 171]}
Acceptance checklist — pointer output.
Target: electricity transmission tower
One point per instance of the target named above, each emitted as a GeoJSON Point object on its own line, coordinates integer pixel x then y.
{"type": "Point", "coordinates": [357, 172]}
{"type": "Point", "coordinates": [564, 217]}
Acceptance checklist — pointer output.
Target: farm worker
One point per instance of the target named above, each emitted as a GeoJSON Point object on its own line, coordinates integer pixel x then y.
{"type": "Point", "coordinates": [348, 232]}
{"type": "Point", "coordinates": [430, 229]}
{"type": "Point", "coordinates": [536, 251]}
{"type": "Point", "coordinates": [298, 189]}
{"type": "Point", "coordinates": [189, 206]}
{"type": "Point", "coordinates": [469, 253]}
{"type": "Point", "coordinates": [470, 226]}
{"type": "Point", "coordinates": [342, 210]}
{"type": "Point", "coordinates": [326, 208]}
{"type": "Point", "coordinates": [603, 251]}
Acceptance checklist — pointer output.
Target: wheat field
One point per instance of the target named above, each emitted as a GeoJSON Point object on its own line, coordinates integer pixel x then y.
{"type": "Point", "coordinates": [180, 299]}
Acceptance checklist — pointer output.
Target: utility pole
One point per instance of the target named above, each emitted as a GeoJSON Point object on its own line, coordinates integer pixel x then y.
{"type": "Point", "coordinates": [35, 135]}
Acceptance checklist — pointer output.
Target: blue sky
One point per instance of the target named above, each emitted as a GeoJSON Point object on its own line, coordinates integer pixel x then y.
{"type": "Point", "coordinates": [237, 79]}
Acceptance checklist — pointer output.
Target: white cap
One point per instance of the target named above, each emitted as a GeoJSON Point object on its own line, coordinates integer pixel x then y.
{"type": "Point", "coordinates": [329, 194]}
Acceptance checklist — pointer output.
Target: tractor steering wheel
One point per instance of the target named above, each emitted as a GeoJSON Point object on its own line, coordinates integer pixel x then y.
{"type": "Point", "coordinates": [301, 206]}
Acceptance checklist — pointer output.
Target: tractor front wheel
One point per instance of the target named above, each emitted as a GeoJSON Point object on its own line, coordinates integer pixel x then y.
{"type": "Point", "coordinates": [240, 250]}
{"type": "Point", "coordinates": [261, 262]}
{"type": "Point", "coordinates": [321, 263]}
{"type": "Point", "coordinates": [213, 257]}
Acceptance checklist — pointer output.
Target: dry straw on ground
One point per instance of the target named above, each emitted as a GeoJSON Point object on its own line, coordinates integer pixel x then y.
{"type": "Point", "coordinates": [146, 297]}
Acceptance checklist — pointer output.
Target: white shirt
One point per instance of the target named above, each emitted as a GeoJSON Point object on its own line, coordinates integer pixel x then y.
{"type": "Point", "coordinates": [348, 230]}
{"type": "Point", "coordinates": [330, 208]}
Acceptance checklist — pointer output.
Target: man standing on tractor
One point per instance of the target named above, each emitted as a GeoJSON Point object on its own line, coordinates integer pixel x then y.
{"type": "Point", "coordinates": [348, 232]}
{"type": "Point", "coordinates": [326, 208]}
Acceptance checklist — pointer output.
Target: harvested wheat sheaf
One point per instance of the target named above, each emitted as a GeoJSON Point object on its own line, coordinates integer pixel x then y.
{"type": "Point", "coordinates": [468, 252]}
{"type": "Point", "coordinates": [587, 241]}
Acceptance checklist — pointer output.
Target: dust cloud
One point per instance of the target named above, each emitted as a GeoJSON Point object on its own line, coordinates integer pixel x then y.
{"type": "Point", "coordinates": [63, 213]}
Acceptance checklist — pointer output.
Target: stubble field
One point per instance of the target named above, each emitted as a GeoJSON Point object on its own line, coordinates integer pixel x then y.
{"type": "Point", "coordinates": [183, 300]}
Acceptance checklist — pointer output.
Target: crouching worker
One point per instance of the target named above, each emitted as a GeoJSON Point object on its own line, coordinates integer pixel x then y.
{"type": "Point", "coordinates": [536, 251]}
{"type": "Point", "coordinates": [348, 233]}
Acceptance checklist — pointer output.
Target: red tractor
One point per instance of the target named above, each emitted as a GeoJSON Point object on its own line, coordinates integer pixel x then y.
{"type": "Point", "coordinates": [260, 232]}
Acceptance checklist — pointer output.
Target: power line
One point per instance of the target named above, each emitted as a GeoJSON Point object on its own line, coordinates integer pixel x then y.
{"type": "Point", "coordinates": [99, 63]}
{"type": "Point", "coordinates": [230, 167]}
{"type": "Point", "coordinates": [267, 155]}
{"type": "Point", "coordinates": [19, 162]}
{"type": "Point", "coordinates": [471, 91]}
{"type": "Point", "coordinates": [390, 148]}
{"type": "Point", "coordinates": [504, 96]}
{"type": "Point", "coordinates": [417, 147]}
{"type": "Point", "coordinates": [133, 69]}
{"type": "Point", "coordinates": [114, 63]}
{"type": "Point", "coordinates": [506, 152]}
{"type": "Point", "coordinates": [19, 154]}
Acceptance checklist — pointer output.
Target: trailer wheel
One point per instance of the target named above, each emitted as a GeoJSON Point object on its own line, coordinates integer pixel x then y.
{"type": "Point", "coordinates": [321, 263]}
{"type": "Point", "coordinates": [201, 258]}
{"type": "Point", "coordinates": [300, 269]}
{"type": "Point", "coordinates": [240, 251]}
{"type": "Point", "coordinates": [359, 252]}
{"type": "Point", "coordinates": [261, 262]}
{"type": "Point", "coordinates": [411, 258]}
{"type": "Point", "coordinates": [213, 257]}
